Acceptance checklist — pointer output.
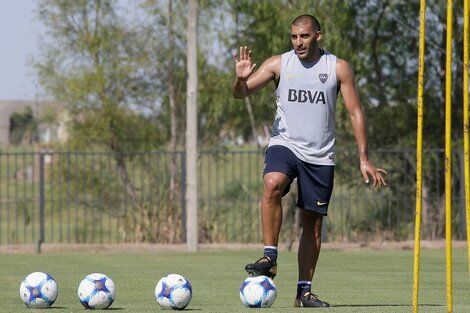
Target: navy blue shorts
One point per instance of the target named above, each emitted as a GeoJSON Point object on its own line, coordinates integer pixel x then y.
{"type": "Point", "coordinates": [314, 182]}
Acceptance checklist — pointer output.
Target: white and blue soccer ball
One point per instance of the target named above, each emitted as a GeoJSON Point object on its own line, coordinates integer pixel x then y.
{"type": "Point", "coordinates": [38, 290]}
{"type": "Point", "coordinates": [258, 292]}
{"type": "Point", "coordinates": [96, 291]}
{"type": "Point", "coordinates": [173, 291]}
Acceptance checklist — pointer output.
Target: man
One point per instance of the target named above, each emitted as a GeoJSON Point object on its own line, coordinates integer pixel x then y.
{"type": "Point", "coordinates": [302, 145]}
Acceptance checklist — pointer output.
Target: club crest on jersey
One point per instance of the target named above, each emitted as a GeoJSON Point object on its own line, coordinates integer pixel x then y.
{"type": "Point", "coordinates": [323, 77]}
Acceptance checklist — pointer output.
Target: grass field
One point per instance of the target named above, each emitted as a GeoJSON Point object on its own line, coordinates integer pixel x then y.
{"type": "Point", "coordinates": [352, 281]}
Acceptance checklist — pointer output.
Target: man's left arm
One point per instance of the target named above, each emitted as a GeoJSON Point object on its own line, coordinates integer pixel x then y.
{"type": "Point", "coordinates": [345, 78]}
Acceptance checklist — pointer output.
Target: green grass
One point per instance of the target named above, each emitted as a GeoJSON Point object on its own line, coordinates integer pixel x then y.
{"type": "Point", "coordinates": [352, 281]}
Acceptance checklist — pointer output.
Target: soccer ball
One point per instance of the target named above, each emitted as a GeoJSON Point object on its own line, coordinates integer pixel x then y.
{"type": "Point", "coordinates": [96, 291]}
{"type": "Point", "coordinates": [258, 292]}
{"type": "Point", "coordinates": [173, 292]}
{"type": "Point", "coordinates": [38, 290]}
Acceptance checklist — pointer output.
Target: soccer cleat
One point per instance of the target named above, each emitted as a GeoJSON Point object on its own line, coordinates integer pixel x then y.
{"type": "Point", "coordinates": [310, 300]}
{"type": "Point", "coordinates": [264, 266]}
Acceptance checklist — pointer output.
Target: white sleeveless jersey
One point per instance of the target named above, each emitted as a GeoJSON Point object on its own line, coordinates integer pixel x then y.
{"type": "Point", "coordinates": [306, 103]}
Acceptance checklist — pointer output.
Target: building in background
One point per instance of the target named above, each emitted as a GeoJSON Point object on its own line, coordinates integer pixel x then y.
{"type": "Point", "coordinates": [49, 116]}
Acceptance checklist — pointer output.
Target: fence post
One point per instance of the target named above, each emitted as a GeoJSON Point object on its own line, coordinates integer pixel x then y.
{"type": "Point", "coordinates": [183, 195]}
{"type": "Point", "coordinates": [41, 201]}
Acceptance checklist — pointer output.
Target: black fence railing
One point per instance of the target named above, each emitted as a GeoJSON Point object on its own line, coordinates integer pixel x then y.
{"type": "Point", "coordinates": [57, 196]}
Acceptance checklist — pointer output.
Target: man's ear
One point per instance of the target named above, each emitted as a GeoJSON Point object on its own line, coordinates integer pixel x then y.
{"type": "Point", "coordinates": [319, 35]}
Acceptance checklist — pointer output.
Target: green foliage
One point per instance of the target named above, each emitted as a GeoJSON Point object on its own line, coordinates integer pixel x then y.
{"type": "Point", "coordinates": [118, 130]}
{"type": "Point", "coordinates": [380, 41]}
{"type": "Point", "coordinates": [112, 73]}
{"type": "Point", "coordinates": [234, 215]}
{"type": "Point", "coordinates": [98, 67]}
{"type": "Point", "coordinates": [88, 198]}
{"type": "Point", "coordinates": [94, 186]}
{"type": "Point", "coordinates": [103, 69]}
{"type": "Point", "coordinates": [97, 59]}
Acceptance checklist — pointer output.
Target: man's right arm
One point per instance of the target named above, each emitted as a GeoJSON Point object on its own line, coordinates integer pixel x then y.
{"type": "Point", "coordinates": [247, 81]}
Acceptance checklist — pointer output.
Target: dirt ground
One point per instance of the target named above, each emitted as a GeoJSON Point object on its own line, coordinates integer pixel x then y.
{"type": "Point", "coordinates": [147, 247]}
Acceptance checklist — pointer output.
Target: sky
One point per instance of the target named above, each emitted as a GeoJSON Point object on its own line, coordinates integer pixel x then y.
{"type": "Point", "coordinates": [20, 36]}
{"type": "Point", "coordinates": [20, 31]}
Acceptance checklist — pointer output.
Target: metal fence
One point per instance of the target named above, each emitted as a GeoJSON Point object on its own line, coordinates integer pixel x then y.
{"type": "Point", "coordinates": [60, 196]}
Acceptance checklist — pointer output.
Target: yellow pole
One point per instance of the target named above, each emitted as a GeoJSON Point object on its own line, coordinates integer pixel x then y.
{"type": "Point", "coordinates": [465, 123]}
{"type": "Point", "coordinates": [419, 154]}
{"type": "Point", "coordinates": [448, 154]}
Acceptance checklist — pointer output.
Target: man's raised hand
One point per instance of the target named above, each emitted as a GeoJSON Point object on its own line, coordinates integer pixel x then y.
{"type": "Point", "coordinates": [243, 64]}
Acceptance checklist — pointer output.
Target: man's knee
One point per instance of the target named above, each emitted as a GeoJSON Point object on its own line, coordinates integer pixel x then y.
{"type": "Point", "coordinates": [274, 186]}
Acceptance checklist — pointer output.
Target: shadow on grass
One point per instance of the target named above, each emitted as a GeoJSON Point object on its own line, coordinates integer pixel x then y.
{"type": "Point", "coordinates": [68, 308]}
{"type": "Point", "coordinates": [108, 309]}
{"type": "Point", "coordinates": [381, 305]}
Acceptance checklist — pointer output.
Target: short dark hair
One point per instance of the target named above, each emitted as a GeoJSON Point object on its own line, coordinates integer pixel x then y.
{"type": "Point", "coordinates": [307, 18]}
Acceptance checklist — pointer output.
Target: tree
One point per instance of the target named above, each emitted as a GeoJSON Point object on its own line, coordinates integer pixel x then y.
{"type": "Point", "coordinates": [115, 72]}
{"type": "Point", "coordinates": [101, 69]}
{"type": "Point", "coordinates": [377, 37]}
{"type": "Point", "coordinates": [98, 68]}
